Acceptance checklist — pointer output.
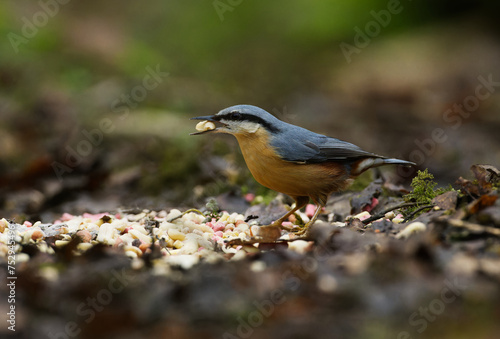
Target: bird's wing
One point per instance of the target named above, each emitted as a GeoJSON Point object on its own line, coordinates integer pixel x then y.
{"type": "Point", "coordinates": [315, 148]}
{"type": "Point", "coordinates": [335, 149]}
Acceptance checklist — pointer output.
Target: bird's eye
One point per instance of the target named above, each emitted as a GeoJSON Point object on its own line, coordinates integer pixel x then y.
{"type": "Point", "coordinates": [236, 115]}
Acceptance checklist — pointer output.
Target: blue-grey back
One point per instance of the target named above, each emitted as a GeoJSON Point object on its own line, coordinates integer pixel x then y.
{"type": "Point", "coordinates": [297, 144]}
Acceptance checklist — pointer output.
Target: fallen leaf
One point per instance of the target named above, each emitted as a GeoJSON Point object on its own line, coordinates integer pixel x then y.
{"type": "Point", "coordinates": [468, 187]}
{"type": "Point", "coordinates": [355, 224]}
{"type": "Point", "coordinates": [482, 176]}
{"type": "Point", "coordinates": [481, 203]}
{"type": "Point", "coordinates": [365, 197]}
{"type": "Point", "coordinates": [447, 200]}
{"type": "Point", "coordinates": [486, 174]}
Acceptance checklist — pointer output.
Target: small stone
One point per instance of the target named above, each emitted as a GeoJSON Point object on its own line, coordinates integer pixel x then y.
{"type": "Point", "coordinates": [84, 235]}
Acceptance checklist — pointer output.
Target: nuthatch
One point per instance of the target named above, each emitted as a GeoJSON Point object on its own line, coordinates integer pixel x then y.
{"type": "Point", "coordinates": [291, 159]}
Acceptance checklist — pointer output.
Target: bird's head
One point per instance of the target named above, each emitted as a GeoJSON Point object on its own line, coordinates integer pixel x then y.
{"type": "Point", "coordinates": [240, 119]}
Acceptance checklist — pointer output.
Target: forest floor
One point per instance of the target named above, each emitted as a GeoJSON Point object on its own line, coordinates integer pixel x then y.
{"type": "Point", "coordinates": [364, 270]}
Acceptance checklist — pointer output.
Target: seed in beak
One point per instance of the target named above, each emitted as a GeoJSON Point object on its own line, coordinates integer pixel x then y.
{"type": "Point", "coordinates": [205, 125]}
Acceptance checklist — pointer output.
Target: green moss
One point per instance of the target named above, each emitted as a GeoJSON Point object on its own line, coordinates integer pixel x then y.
{"type": "Point", "coordinates": [423, 191]}
{"type": "Point", "coordinates": [423, 188]}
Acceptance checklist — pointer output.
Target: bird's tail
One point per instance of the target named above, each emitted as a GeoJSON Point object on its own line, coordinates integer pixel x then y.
{"type": "Point", "coordinates": [367, 163]}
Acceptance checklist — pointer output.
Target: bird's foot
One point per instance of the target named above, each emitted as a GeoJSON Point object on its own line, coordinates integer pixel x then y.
{"type": "Point", "coordinates": [268, 234]}
{"type": "Point", "coordinates": [302, 231]}
{"type": "Point", "coordinates": [295, 229]}
{"type": "Point", "coordinates": [279, 224]}
{"type": "Point", "coordinates": [259, 234]}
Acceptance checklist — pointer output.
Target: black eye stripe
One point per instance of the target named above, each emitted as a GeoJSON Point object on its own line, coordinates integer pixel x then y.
{"type": "Point", "coordinates": [239, 116]}
{"type": "Point", "coordinates": [236, 116]}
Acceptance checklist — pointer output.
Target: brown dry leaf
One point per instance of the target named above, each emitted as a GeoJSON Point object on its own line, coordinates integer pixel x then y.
{"type": "Point", "coordinates": [481, 203]}
{"type": "Point", "coordinates": [356, 224]}
{"type": "Point", "coordinates": [365, 197]}
{"type": "Point", "coordinates": [447, 200]}
{"type": "Point", "coordinates": [482, 176]}
{"type": "Point", "coordinates": [467, 187]}
{"type": "Point", "coordinates": [486, 174]}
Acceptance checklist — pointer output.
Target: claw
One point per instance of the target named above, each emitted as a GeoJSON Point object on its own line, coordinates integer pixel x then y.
{"type": "Point", "coordinates": [303, 231]}
{"type": "Point", "coordinates": [296, 229]}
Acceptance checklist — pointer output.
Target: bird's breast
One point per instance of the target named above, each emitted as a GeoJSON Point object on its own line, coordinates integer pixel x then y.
{"type": "Point", "coordinates": [290, 178]}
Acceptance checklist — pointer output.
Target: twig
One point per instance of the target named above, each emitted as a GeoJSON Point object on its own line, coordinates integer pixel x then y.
{"type": "Point", "coordinates": [475, 228]}
{"type": "Point", "coordinates": [382, 214]}
{"type": "Point", "coordinates": [412, 214]}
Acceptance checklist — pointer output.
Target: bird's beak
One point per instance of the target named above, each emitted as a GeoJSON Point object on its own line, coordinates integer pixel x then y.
{"type": "Point", "coordinates": [211, 119]}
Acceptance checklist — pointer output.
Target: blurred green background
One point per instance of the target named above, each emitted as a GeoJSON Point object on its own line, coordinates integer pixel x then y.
{"type": "Point", "coordinates": [95, 97]}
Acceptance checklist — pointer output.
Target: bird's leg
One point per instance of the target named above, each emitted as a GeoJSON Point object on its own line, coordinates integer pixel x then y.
{"type": "Point", "coordinates": [299, 203]}
{"type": "Point", "coordinates": [305, 230]}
